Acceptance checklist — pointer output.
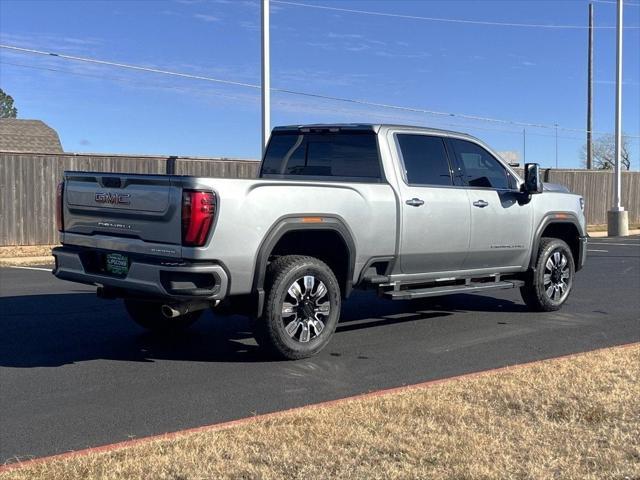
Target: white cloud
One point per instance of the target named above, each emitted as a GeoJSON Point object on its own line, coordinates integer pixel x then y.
{"type": "Point", "coordinates": [344, 35]}
{"type": "Point", "coordinates": [206, 17]}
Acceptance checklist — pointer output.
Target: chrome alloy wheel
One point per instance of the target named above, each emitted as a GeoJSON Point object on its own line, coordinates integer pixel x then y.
{"type": "Point", "coordinates": [557, 276]}
{"type": "Point", "coordinates": [305, 308]}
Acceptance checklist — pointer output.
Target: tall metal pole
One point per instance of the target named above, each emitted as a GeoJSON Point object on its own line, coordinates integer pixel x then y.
{"type": "Point", "coordinates": [524, 146]}
{"type": "Point", "coordinates": [590, 92]}
{"type": "Point", "coordinates": [617, 217]}
{"type": "Point", "coordinates": [556, 125]}
{"type": "Point", "coordinates": [266, 77]}
{"type": "Point", "coordinates": [616, 189]}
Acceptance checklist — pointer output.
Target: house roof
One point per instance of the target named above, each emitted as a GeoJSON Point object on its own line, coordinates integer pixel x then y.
{"type": "Point", "coordinates": [34, 136]}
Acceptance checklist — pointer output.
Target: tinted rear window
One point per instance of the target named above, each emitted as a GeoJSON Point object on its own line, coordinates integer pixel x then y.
{"type": "Point", "coordinates": [352, 156]}
{"type": "Point", "coordinates": [425, 160]}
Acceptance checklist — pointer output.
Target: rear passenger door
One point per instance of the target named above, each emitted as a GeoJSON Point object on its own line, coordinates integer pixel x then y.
{"type": "Point", "coordinates": [501, 222]}
{"type": "Point", "coordinates": [435, 212]}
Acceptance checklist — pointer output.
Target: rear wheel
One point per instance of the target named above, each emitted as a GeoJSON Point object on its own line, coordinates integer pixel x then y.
{"type": "Point", "coordinates": [302, 307]}
{"type": "Point", "coordinates": [549, 286]}
{"type": "Point", "coordinates": [148, 315]}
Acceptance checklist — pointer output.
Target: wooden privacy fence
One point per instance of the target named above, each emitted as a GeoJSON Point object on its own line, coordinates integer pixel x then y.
{"type": "Point", "coordinates": [28, 186]}
{"type": "Point", "coordinates": [596, 187]}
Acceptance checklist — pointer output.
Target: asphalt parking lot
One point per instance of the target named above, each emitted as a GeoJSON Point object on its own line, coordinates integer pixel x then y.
{"type": "Point", "coordinates": [76, 372]}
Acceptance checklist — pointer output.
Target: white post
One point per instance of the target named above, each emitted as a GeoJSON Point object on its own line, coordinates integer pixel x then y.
{"type": "Point", "coordinates": [616, 189]}
{"type": "Point", "coordinates": [618, 219]}
{"type": "Point", "coordinates": [266, 77]}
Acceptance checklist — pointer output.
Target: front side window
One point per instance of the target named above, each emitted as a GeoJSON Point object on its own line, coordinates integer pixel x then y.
{"type": "Point", "coordinates": [480, 168]}
{"type": "Point", "coordinates": [425, 159]}
{"type": "Point", "coordinates": [342, 155]}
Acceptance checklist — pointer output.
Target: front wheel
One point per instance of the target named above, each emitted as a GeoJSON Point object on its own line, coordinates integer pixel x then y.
{"type": "Point", "coordinates": [302, 307]}
{"type": "Point", "coordinates": [549, 286]}
{"type": "Point", "coordinates": [148, 315]}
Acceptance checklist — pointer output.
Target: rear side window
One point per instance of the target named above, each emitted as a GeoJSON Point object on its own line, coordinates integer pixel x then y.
{"type": "Point", "coordinates": [480, 168]}
{"type": "Point", "coordinates": [351, 156]}
{"type": "Point", "coordinates": [425, 160]}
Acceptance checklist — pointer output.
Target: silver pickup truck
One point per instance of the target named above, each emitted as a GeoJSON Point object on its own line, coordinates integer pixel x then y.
{"type": "Point", "coordinates": [412, 212]}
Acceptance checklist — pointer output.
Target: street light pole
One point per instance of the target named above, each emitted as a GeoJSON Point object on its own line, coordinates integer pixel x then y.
{"type": "Point", "coordinates": [266, 77]}
{"type": "Point", "coordinates": [617, 217]}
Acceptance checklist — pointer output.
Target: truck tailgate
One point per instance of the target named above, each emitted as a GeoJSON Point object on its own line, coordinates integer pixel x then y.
{"type": "Point", "coordinates": [144, 207]}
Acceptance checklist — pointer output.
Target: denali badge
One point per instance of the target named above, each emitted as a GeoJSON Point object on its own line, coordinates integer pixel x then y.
{"type": "Point", "coordinates": [113, 198]}
{"type": "Point", "coordinates": [114, 225]}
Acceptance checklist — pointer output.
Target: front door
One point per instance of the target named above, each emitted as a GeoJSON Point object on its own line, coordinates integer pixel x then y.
{"type": "Point", "coordinates": [435, 213]}
{"type": "Point", "coordinates": [501, 219]}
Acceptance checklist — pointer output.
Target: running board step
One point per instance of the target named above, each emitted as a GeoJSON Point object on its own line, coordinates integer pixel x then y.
{"type": "Point", "coordinates": [436, 291]}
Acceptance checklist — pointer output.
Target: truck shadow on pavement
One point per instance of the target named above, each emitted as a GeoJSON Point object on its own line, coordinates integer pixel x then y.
{"type": "Point", "coordinates": [59, 329]}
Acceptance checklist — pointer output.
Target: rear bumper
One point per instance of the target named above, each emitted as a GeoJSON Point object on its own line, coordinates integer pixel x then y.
{"type": "Point", "coordinates": [582, 253]}
{"type": "Point", "coordinates": [147, 276]}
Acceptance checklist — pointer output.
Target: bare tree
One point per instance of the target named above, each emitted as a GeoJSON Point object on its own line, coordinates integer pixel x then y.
{"type": "Point", "coordinates": [604, 153]}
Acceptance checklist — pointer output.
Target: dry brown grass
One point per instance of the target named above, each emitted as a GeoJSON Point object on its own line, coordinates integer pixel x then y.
{"type": "Point", "coordinates": [17, 255]}
{"type": "Point", "coordinates": [16, 251]}
{"type": "Point", "coordinates": [576, 417]}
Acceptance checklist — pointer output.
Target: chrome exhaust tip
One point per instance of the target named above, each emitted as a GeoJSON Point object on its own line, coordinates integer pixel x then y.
{"type": "Point", "coordinates": [179, 309]}
{"type": "Point", "coordinates": [170, 312]}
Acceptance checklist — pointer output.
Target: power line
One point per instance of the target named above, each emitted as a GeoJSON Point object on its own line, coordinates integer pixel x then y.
{"type": "Point", "coordinates": [293, 92]}
{"type": "Point", "coordinates": [445, 20]}
{"type": "Point", "coordinates": [110, 78]}
{"type": "Point", "coordinates": [182, 89]}
{"type": "Point", "coordinates": [128, 66]}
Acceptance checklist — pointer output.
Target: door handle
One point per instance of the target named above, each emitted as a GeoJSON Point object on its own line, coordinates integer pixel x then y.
{"type": "Point", "coordinates": [415, 202]}
{"type": "Point", "coordinates": [480, 203]}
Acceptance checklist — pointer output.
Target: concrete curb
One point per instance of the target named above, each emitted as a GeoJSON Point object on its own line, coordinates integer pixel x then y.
{"type": "Point", "coordinates": [604, 234]}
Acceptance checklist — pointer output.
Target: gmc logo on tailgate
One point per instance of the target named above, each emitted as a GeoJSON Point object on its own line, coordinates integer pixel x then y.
{"type": "Point", "coordinates": [113, 198]}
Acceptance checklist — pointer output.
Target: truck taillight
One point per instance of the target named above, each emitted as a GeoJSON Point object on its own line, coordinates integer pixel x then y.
{"type": "Point", "coordinates": [198, 211]}
{"type": "Point", "coordinates": [59, 207]}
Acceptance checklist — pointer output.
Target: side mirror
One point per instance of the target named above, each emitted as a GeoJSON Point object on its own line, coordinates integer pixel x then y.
{"type": "Point", "coordinates": [532, 183]}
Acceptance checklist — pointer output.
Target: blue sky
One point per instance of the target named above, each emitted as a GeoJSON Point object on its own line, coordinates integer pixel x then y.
{"type": "Point", "coordinates": [535, 75]}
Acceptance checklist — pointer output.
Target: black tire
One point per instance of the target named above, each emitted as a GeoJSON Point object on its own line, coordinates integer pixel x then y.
{"type": "Point", "coordinates": [277, 332]}
{"type": "Point", "coordinates": [548, 287]}
{"type": "Point", "coordinates": [148, 315]}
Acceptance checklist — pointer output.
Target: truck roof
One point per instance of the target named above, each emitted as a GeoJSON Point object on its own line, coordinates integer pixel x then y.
{"type": "Point", "coordinates": [375, 127]}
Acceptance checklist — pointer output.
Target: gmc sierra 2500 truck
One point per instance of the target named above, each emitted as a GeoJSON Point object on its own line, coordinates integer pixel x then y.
{"type": "Point", "coordinates": [413, 212]}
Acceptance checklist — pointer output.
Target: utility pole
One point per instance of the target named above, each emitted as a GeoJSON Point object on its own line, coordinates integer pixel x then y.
{"type": "Point", "coordinates": [590, 91]}
{"type": "Point", "coordinates": [524, 146]}
{"type": "Point", "coordinates": [617, 217]}
{"type": "Point", "coordinates": [556, 125]}
{"type": "Point", "coordinates": [266, 77]}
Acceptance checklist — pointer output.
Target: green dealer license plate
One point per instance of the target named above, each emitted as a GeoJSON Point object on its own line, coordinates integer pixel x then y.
{"type": "Point", "coordinates": [117, 264]}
